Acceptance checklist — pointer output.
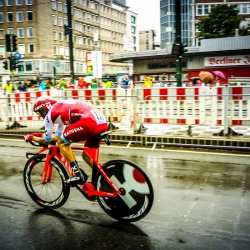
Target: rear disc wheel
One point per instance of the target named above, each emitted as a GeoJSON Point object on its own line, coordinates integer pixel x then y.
{"type": "Point", "coordinates": [136, 198]}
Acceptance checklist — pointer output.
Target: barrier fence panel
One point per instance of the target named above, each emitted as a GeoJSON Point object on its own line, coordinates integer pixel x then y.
{"type": "Point", "coordinates": [219, 106]}
{"type": "Point", "coordinates": [195, 106]}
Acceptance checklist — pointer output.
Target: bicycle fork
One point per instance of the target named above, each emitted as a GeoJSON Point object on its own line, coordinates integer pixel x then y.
{"type": "Point", "coordinates": [47, 170]}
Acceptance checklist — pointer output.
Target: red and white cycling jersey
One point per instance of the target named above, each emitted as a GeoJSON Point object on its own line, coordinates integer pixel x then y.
{"type": "Point", "coordinates": [74, 118]}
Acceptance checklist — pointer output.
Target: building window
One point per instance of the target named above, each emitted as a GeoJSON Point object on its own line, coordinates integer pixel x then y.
{"type": "Point", "coordinates": [29, 15]}
{"type": "Point", "coordinates": [53, 5]}
{"type": "Point", "coordinates": [60, 21]}
{"type": "Point", "coordinates": [1, 2]}
{"type": "Point", "coordinates": [19, 16]}
{"type": "Point", "coordinates": [133, 19]}
{"type": "Point", "coordinates": [21, 48]}
{"type": "Point", "coordinates": [133, 30]}
{"type": "Point", "coordinates": [54, 35]}
{"type": "Point", "coordinates": [206, 9]}
{"type": "Point", "coordinates": [54, 20]}
{"type": "Point", "coordinates": [1, 33]}
{"type": "Point", "coordinates": [61, 50]}
{"type": "Point", "coordinates": [31, 48]}
{"type": "Point", "coordinates": [1, 17]}
{"type": "Point", "coordinates": [59, 6]}
{"type": "Point", "coordinates": [10, 31]}
{"type": "Point", "coordinates": [28, 66]}
{"type": "Point", "coordinates": [243, 8]}
{"type": "Point", "coordinates": [61, 36]}
{"type": "Point", "coordinates": [29, 2]}
{"type": "Point", "coordinates": [80, 41]}
{"type": "Point", "coordinates": [9, 17]}
{"type": "Point", "coordinates": [55, 48]}
{"type": "Point", "coordinates": [9, 2]}
{"type": "Point", "coordinates": [65, 8]}
{"type": "Point", "coordinates": [67, 51]}
{"type": "Point", "coordinates": [19, 2]}
{"type": "Point", "coordinates": [30, 32]}
{"type": "Point", "coordinates": [2, 50]}
{"type": "Point", "coordinates": [20, 32]}
{"type": "Point", "coordinates": [202, 10]}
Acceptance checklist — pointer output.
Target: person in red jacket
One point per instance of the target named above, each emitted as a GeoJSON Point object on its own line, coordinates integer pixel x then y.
{"type": "Point", "coordinates": [76, 121]}
{"type": "Point", "coordinates": [82, 84]}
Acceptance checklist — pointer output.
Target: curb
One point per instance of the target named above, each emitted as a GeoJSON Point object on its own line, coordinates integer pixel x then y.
{"type": "Point", "coordinates": [217, 156]}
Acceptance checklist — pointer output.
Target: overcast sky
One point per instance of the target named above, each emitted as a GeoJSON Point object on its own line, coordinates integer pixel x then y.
{"type": "Point", "coordinates": [148, 14]}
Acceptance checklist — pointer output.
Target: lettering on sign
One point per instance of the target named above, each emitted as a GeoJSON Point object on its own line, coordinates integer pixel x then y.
{"type": "Point", "coordinates": [228, 60]}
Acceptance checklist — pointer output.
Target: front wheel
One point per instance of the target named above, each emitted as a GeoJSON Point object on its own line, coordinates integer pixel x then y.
{"type": "Point", "coordinates": [51, 194]}
{"type": "Point", "coordinates": [137, 195]}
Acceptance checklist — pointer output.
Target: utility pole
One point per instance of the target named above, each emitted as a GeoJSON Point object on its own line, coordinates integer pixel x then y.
{"type": "Point", "coordinates": [71, 55]}
{"type": "Point", "coordinates": [178, 41]}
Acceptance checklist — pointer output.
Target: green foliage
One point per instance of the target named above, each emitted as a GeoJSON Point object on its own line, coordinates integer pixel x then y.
{"type": "Point", "coordinates": [221, 22]}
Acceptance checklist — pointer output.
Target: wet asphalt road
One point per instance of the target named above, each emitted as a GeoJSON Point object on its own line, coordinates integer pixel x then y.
{"type": "Point", "coordinates": [198, 205]}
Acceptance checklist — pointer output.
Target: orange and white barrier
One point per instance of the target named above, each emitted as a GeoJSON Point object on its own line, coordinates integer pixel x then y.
{"type": "Point", "coordinates": [217, 106]}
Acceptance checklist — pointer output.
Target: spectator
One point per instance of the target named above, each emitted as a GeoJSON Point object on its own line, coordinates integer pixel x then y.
{"type": "Point", "coordinates": [8, 88]}
{"type": "Point", "coordinates": [82, 84]}
{"type": "Point", "coordinates": [148, 83]}
{"type": "Point", "coordinates": [22, 87]}
{"type": "Point", "coordinates": [62, 84]}
{"type": "Point", "coordinates": [42, 85]}
{"type": "Point", "coordinates": [125, 81]}
{"type": "Point", "coordinates": [49, 84]}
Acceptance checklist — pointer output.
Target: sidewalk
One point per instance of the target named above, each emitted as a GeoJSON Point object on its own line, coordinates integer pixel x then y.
{"type": "Point", "coordinates": [164, 151]}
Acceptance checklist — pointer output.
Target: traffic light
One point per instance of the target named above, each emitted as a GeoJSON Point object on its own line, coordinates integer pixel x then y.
{"type": "Point", "coordinates": [14, 43]}
{"type": "Point", "coordinates": [13, 63]}
{"type": "Point", "coordinates": [66, 29]}
{"type": "Point", "coordinates": [176, 49]}
{"type": "Point", "coordinates": [6, 64]}
{"type": "Point", "coordinates": [8, 42]}
{"type": "Point", "coordinates": [183, 48]}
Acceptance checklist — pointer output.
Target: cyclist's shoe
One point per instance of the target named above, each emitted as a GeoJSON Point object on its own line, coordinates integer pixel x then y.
{"type": "Point", "coordinates": [79, 178]}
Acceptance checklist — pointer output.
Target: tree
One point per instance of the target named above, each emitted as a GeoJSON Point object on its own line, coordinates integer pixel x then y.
{"type": "Point", "coordinates": [221, 22]}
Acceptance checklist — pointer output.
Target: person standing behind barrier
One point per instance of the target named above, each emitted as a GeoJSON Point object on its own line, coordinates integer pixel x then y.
{"type": "Point", "coordinates": [22, 87]}
{"type": "Point", "coordinates": [49, 84]}
{"type": "Point", "coordinates": [42, 85]}
{"type": "Point", "coordinates": [148, 83]}
{"type": "Point", "coordinates": [125, 81]}
{"type": "Point", "coordinates": [81, 84]}
{"type": "Point", "coordinates": [8, 88]}
{"type": "Point", "coordinates": [62, 84]}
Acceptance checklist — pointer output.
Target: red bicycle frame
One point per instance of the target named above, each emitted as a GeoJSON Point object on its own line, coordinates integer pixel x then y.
{"type": "Point", "coordinates": [87, 188]}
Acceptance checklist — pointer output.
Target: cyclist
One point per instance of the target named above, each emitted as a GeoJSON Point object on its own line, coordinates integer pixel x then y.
{"type": "Point", "coordinates": [76, 121]}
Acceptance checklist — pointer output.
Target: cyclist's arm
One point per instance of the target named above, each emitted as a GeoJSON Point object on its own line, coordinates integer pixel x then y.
{"type": "Point", "coordinates": [59, 129]}
{"type": "Point", "coordinates": [41, 140]}
{"type": "Point", "coordinates": [48, 124]}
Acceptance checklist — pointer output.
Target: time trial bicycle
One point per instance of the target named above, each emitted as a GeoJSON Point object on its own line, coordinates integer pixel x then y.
{"type": "Point", "coordinates": [122, 189]}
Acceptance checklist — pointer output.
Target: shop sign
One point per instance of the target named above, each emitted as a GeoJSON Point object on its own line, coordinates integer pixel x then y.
{"type": "Point", "coordinates": [220, 61]}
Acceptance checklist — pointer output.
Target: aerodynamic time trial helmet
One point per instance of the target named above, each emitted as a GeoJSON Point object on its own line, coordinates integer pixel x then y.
{"type": "Point", "coordinates": [43, 104]}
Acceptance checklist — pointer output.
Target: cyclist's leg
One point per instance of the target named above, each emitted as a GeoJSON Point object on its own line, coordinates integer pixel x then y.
{"type": "Point", "coordinates": [80, 176]}
{"type": "Point", "coordinates": [91, 142]}
{"type": "Point", "coordinates": [74, 132]}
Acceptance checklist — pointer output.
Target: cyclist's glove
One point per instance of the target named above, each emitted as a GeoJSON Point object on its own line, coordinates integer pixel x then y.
{"type": "Point", "coordinates": [28, 137]}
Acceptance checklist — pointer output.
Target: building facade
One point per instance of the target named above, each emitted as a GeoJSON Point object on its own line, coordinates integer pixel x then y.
{"type": "Point", "coordinates": [230, 55]}
{"type": "Point", "coordinates": [192, 10]}
{"type": "Point", "coordinates": [39, 25]}
{"type": "Point", "coordinates": [147, 40]}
